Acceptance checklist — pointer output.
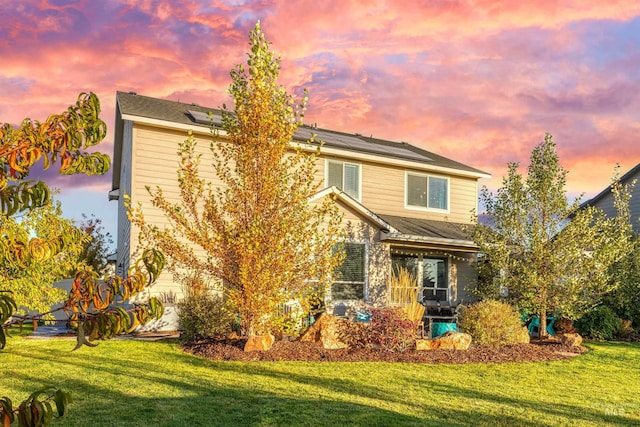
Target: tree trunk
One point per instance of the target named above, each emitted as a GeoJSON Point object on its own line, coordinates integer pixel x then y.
{"type": "Point", "coordinates": [542, 329]}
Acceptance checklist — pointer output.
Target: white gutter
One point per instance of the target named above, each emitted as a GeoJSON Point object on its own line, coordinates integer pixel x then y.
{"type": "Point", "coordinates": [425, 239]}
{"type": "Point", "coordinates": [355, 205]}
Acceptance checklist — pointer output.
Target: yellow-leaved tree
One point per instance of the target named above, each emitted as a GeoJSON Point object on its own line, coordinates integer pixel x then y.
{"type": "Point", "coordinates": [550, 256]}
{"type": "Point", "coordinates": [262, 237]}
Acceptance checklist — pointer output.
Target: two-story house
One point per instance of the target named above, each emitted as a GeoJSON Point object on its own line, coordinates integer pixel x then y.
{"type": "Point", "coordinates": [402, 206]}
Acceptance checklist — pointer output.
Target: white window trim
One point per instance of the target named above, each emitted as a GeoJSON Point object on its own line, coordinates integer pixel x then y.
{"type": "Point", "coordinates": [365, 290]}
{"type": "Point", "coordinates": [422, 208]}
{"type": "Point", "coordinates": [447, 267]}
{"type": "Point", "coordinates": [420, 276]}
{"type": "Point", "coordinates": [326, 176]}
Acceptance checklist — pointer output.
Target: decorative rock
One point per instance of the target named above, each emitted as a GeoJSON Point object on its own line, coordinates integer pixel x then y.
{"type": "Point", "coordinates": [325, 330]}
{"type": "Point", "coordinates": [449, 341]}
{"type": "Point", "coordinates": [571, 340]}
{"type": "Point", "coordinates": [259, 342]}
{"type": "Point", "coordinates": [564, 326]}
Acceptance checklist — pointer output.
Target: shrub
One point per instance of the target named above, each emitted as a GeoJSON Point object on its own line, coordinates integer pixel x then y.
{"type": "Point", "coordinates": [389, 329]}
{"type": "Point", "coordinates": [493, 323]}
{"type": "Point", "coordinates": [203, 316]}
{"type": "Point", "coordinates": [601, 323]}
{"type": "Point", "coordinates": [403, 291]}
{"type": "Point", "coordinates": [564, 326]}
{"type": "Point", "coordinates": [625, 329]}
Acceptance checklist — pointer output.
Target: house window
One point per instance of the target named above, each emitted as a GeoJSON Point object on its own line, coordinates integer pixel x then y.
{"type": "Point", "coordinates": [427, 191]}
{"type": "Point", "coordinates": [431, 273]}
{"type": "Point", "coordinates": [345, 176]}
{"type": "Point", "coordinates": [435, 283]}
{"type": "Point", "coordinates": [351, 274]}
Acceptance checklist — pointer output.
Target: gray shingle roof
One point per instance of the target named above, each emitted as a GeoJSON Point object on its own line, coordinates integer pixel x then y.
{"type": "Point", "coordinates": [624, 179]}
{"type": "Point", "coordinates": [183, 113]}
{"type": "Point", "coordinates": [428, 227]}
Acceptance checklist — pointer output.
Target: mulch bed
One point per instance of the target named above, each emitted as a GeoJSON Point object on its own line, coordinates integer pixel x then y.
{"type": "Point", "coordinates": [311, 352]}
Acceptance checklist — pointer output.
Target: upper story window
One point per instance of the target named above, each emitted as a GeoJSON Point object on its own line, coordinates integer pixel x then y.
{"type": "Point", "coordinates": [427, 191]}
{"type": "Point", "coordinates": [345, 176]}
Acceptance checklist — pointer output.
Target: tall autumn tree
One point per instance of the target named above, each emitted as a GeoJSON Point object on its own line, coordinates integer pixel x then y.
{"type": "Point", "coordinates": [259, 232]}
{"type": "Point", "coordinates": [549, 255]}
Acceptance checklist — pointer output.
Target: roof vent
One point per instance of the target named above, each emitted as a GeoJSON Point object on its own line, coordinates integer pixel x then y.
{"type": "Point", "coordinates": [132, 92]}
{"type": "Point", "coordinates": [194, 104]}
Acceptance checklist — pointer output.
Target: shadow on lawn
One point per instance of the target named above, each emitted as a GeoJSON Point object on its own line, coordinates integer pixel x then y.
{"type": "Point", "coordinates": [493, 408]}
{"type": "Point", "coordinates": [232, 393]}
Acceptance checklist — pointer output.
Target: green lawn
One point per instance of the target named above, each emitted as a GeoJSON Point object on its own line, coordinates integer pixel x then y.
{"type": "Point", "coordinates": [134, 383]}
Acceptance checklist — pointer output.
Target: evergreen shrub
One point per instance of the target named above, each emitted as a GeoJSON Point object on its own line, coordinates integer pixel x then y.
{"type": "Point", "coordinates": [203, 316]}
{"type": "Point", "coordinates": [493, 323]}
{"type": "Point", "coordinates": [601, 323]}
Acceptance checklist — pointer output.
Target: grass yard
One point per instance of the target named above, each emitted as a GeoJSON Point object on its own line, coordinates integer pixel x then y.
{"type": "Point", "coordinates": [136, 383]}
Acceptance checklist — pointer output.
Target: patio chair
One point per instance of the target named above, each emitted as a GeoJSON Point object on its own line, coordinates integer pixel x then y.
{"type": "Point", "coordinates": [535, 325]}
{"type": "Point", "coordinates": [363, 316]}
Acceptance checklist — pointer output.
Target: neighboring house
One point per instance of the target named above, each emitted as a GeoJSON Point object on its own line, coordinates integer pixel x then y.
{"type": "Point", "coordinates": [604, 200]}
{"type": "Point", "coordinates": [403, 206]}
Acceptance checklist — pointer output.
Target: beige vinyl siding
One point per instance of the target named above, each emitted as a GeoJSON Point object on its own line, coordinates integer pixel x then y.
{"type": "Point", "coordinates": [154, 154]}
{"type": "Point", "coordinates": [156, 159]}
{"type": "Point", "coordinates": [383, 192]}
{"type": "Point", "coordinates": [124, 225]}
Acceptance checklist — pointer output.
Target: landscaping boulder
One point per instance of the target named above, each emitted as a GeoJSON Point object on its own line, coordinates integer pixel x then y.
{"type": "Point", "coordinates": [325, 331]}
{"type": "Point", "coordinates": [564, 326]}
{"type": "Point", "coordinates": [449, 341]}
{"type": "Point", "coordinates": [259, 342]}
{"type": "Point", "coordinates": [570, 340]}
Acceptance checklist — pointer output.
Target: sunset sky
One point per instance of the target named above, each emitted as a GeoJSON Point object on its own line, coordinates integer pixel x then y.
{"type": "Point", "coordinates": [477, 81]}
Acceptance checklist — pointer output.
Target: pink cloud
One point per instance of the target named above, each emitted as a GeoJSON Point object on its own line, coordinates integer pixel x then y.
{"type": "Point", "coordinates": [479, 82]}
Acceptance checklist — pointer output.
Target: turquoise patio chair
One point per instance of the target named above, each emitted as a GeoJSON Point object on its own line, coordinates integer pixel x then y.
{"type": "Point", "coordinates": [535, 324]}
{"type": "Point", "coordinates": [363, 316]}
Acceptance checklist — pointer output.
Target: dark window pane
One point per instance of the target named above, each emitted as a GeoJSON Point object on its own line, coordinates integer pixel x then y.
{"type": "Point", "coordinates": [352, 268]}
{"type": "Point", "coordinates": [352, 180]}
{"type": "Point", "coordinates": [350, 276]}
{"type": "Point", "coordinates": [438, 295]}
{"type": "Point", "coordinates": [334, 177]}
{"type": "Point", "coordinates": [435, 282]}
{"type": "Point", "coordinates": [409, 263]}
{"type": "Point", "coordinates": [437, 193]}
{"type": "Point", "coordinates": [347, 291]}
{"type": "Point", "coordinates": [416, 190]}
